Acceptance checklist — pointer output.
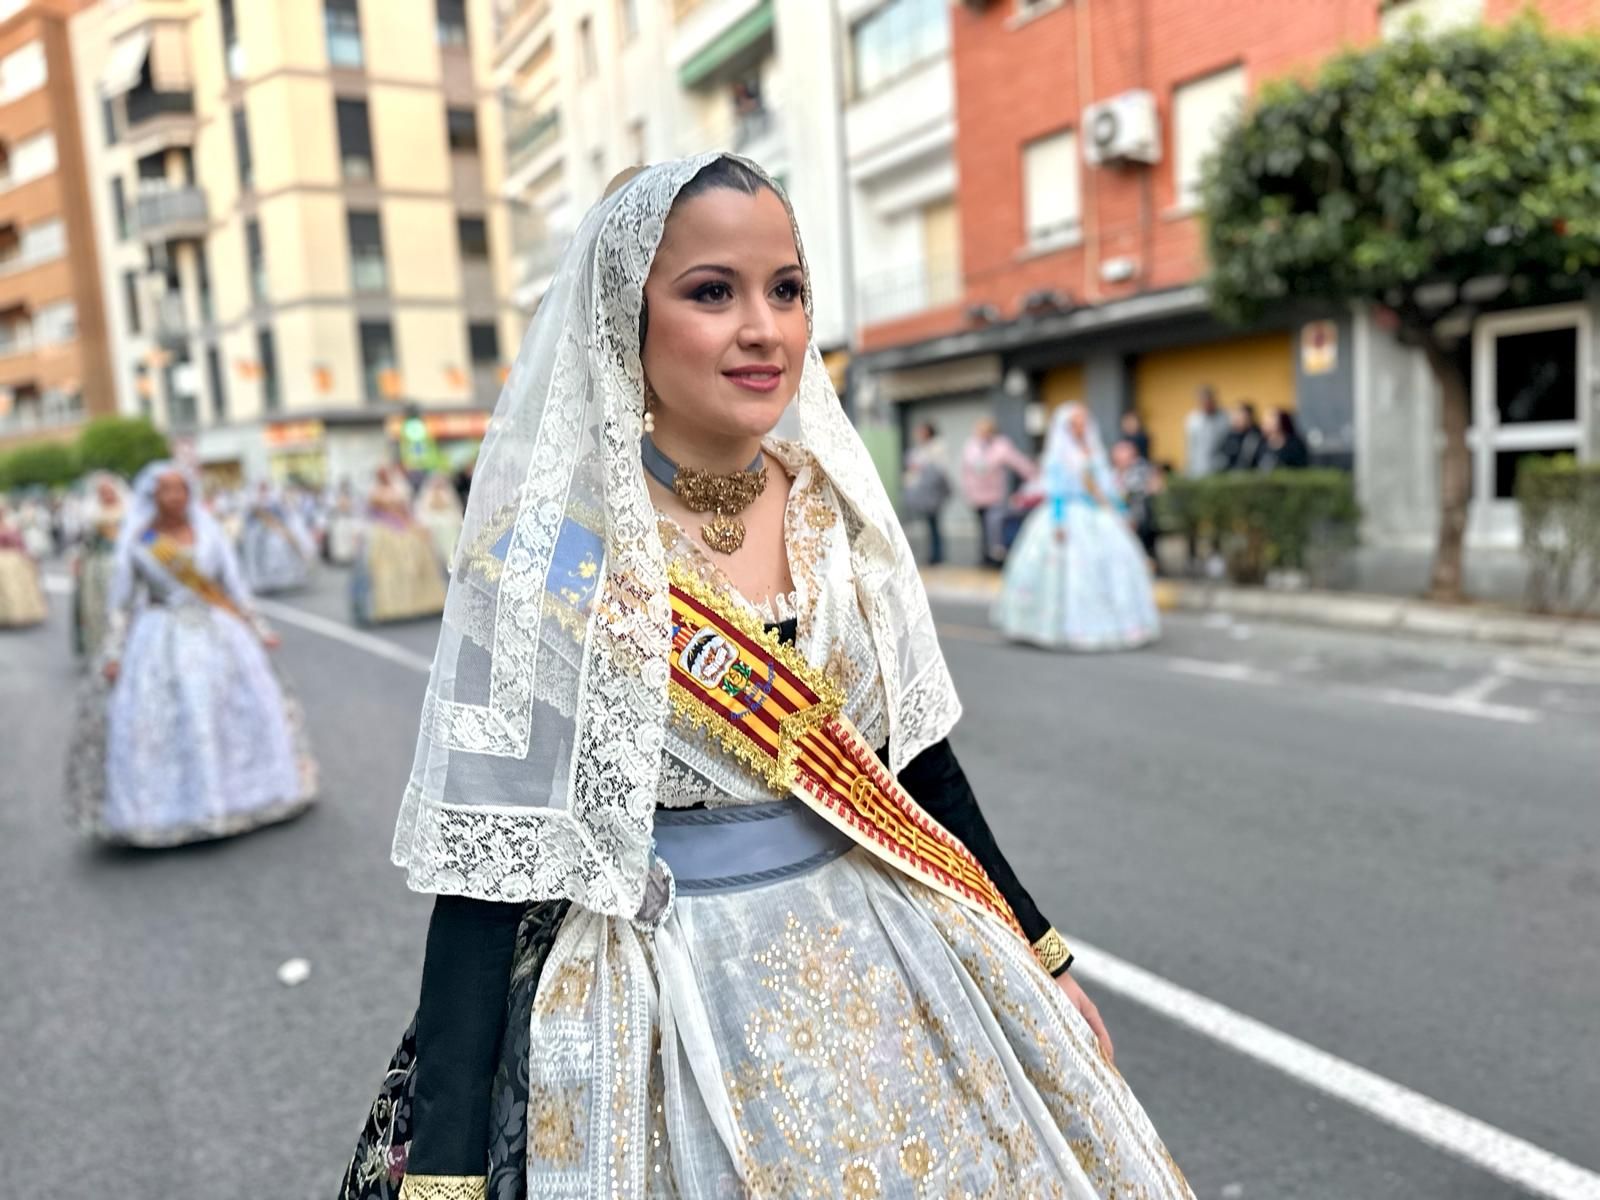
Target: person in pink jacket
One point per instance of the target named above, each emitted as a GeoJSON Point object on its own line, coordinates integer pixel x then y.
{"type": "Point", "coordinates": [986, 462]}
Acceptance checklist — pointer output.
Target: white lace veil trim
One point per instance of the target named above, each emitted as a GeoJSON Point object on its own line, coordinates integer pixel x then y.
{"type": "Point", "coordinates": [539, 757]}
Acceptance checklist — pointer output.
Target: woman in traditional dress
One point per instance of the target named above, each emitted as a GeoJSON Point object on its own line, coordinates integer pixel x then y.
{"type": "Point", "coordinates": [397, 575]}
{"type": "Point", "coordinates": [1077, 579]}
{"type": "Point", "coordinates": [343, 538]}
{"type": "Point", "coordinates": [439, 511]}
{"type": "Point", "coordinates": [197, 738]}
{"type": "Point", "coordinates": [275, 547]}
{"type": "Point", "coordinates": [21, 598]}
{"type": "Point", "coordinates": [100, 519]}
{"type": "Point", "coordinates": [732, 950]}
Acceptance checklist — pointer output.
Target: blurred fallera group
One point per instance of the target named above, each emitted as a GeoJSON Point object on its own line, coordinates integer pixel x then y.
{"type": "Point", "coordinates": [185, 728]}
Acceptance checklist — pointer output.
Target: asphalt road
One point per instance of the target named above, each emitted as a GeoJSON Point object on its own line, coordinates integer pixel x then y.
{"type": "Point", "coordinates": [1389, 849]}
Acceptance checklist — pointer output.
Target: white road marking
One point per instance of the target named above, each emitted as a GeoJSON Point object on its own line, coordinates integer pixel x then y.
{"type": "Point", "coordinates": [1485, 1146]}
{"type": "Point", "coordinates": [341, 632]}
{"type": "Point", "coordinates": [1479, 691]}
{"type": "Point", "coordinates": [1510, 713]}
{"type": "Point", "coordinates": [1230, 671]}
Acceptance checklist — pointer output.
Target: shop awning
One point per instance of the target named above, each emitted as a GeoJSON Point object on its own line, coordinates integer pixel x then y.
{"type": "Point", "coordinates": [126, 64]}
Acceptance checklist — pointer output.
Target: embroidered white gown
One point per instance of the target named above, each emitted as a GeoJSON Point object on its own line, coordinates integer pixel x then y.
{"type": "Point", "coordinates": [847, 1033]}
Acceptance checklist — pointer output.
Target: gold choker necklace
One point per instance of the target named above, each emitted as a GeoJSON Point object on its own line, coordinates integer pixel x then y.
{"type": "Point", "coordinates": [724, 496]}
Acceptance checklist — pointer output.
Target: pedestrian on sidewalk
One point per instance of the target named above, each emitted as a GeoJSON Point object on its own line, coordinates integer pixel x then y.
{"type": "Point", "coordinates": [988, 462]}
{"type": "Point", "coordinates": [1241, 448]}
{"type": "Point", "coordinates": [1282, 446]}
{"type": "Point", "coordinates": [1204, 431]}
{"type": "Point", "coordinates": [926, 485]}
{"type": "Point", "coordinates": [1077, 579]}
{"type": "Point", "coordinates": [655, 966]}
{"type": "Point", "coordinates": [185, 732]}
{"type": "Point", "coordinates": [1140, 481]}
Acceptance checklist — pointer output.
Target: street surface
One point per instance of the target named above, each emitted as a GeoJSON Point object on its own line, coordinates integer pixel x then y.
{"type": "Point", "coordinates": [1388, 849]}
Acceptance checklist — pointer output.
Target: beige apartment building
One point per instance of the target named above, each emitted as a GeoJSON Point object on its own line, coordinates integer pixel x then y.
{"type": "Point", "coordinates": [301, 222]}
{"type": "Point", "coordinates": [54, 370]}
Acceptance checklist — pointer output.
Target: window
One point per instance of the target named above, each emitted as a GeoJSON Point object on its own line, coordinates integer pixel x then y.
{"type": "Point", "coordinates": [1202, 111]}
{"type": "Point", "coordinates": [108, 117]}
{"type": "Point", "coordinates": [377, 359]}
{"type": "Point", "coordinates": [461, 128]}
{"type": "Point", "coordinates": [153, 169]}
{"type": "Point", "coordinates": [637, 142]}
{"type": "Point", "coordinates": [341, 21]}
{"type": "Point", "coordinates": [202, 282]}
{"type": "Point", "coordinates": [130, 298]}
{"type": "Point", "coordinates": [219, 391]}
{"type": "Point", "coordinates": [1428, 16]}
{"type": "Point", "coordinates": [896, 38]}
{"type": "Point", "coordinates": [473, 234]}
{"type": "Point", "coordinates": [42, 241]}
{"type": "Point", "coordinates": [241, 146]}
{"type": "Point", "coordinates": [257, 260]}
{"type": "Point", "coordinates": [484, 341]}
{"type": "Point", "coordinates": [355, 139]}
{"type": "Point", "coordinates": [941, 252]}
{"type": "Point", "coordinates": [587, 62]}
{"type": "Point", "coordinates": [367, 270]}
{"type": "Point", "coordinates": [119, 208]}
{"type": "Point", "coordinates": [271, 397]}
{"type": "Point", "coordinates": [22, 71]}
{"type": "Point", "coordinates": [451, 25]}
{"type": "Point", "coordinates": [1050, 189]}
{"type": "Point", "coordinates": [628, 19]}
{"type": "Point", "coordinates": [232, 50]}
{"type": "Point", "coordinates": [55, 323]}
{"type": "Point", "coordinates": [32, 158]}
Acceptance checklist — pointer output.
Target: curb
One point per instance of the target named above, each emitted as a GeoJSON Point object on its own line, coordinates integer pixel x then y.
{"type": "Point", "coordinates": [1335, 610]}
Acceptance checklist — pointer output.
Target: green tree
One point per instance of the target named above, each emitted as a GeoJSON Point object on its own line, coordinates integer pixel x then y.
{"type": "Point", "coordinates": [1431, 177]}
{"type": "Point", "coordinates": [45, 464]}
{"type": "Point", "coordinates": [120, 444]}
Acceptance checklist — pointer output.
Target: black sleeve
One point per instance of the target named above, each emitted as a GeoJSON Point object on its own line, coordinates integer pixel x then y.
{"type": "Point", "coordinates": [466, 976]}
{"type": "Point", "coordinates": [936, 781]}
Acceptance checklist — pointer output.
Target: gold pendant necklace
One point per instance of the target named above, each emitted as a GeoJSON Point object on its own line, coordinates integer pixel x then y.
{"type": "Point", "coordinates": [724, 496]}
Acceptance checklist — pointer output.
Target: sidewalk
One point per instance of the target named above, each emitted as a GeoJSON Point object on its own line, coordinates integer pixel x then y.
{"type": "Point", "coordinates": [1341, 610]}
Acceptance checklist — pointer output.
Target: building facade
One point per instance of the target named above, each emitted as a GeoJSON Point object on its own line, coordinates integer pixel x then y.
{"type": "Point", "coordinates": [300, 213]}
{"type": "Point", "coordinates": [594, 86]}
{"type": "Point", "coordinates": [1081, 128]}
{"type": "Point", "coordinates": [54, 366]}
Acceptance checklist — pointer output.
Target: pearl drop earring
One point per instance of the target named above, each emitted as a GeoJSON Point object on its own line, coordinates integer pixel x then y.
{"type": "Point", "coordinates": [649, 406]}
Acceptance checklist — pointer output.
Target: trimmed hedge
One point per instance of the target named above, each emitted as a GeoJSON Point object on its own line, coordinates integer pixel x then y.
{"type": "Point", "coordinates": [1560, 502]}
{"type": "Point", "coordinates": [1262, 521]}
{"type": "Point", "coordinates": [43, 464]}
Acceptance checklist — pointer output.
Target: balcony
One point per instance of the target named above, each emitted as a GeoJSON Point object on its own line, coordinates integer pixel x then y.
{"type": "Point", "coordinates": [536, 266]}
{"type": "Point", "coordinates": [35, 412]}
{"type": "Point", "coordinates": [171, 214]}
{"type": "Point", "coordinates": [531, 136]}
{"type": "Point", "coordinates": [752, 127]}
{"type": "Point", "coordinates": [717, 40]}
{"type": "Point", "coordinates": [520, 34]}
{"type": "Point", "coordinates": [172, 322]}
{"type": "Point", "coordinates": [904, 291]}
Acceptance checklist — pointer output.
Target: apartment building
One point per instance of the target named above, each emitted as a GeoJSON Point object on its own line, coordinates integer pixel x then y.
{"type": "Point", "coordinates": [300, 213]}
{"type": "Point", "coordinates": [1080, 132]}
{"type": "Point", "coordinates": [54, 368]}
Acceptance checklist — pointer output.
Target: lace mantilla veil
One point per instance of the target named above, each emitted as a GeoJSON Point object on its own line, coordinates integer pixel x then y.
{"type": "Point", "coordinates": [544, 724]}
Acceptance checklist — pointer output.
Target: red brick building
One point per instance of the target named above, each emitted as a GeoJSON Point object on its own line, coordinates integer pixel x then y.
{"type": "Point", "coordinates": [1079, 278]}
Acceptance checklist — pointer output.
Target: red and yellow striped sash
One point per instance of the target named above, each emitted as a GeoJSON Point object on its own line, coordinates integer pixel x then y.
{"type": "Point", "coordinates": [763, 703]}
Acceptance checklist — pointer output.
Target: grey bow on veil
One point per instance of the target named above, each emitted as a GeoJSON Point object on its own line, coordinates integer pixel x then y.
{"type": "Point", "coordinates": [543, 729]}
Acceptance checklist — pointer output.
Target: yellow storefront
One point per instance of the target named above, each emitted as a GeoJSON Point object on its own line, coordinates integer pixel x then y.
{"type": "Point", "coordinates": [1258, 369]}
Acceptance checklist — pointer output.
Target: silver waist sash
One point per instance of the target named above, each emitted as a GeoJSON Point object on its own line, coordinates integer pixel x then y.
{"type": "Point", "coordinates": [744, 846]}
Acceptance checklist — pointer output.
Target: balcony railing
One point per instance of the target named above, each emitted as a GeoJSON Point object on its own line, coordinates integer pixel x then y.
{"type": "Point", "coordinates": [51, 411]}
{"type": "Point", "coordinates": [541, 260]}
{"type": "Point", "coordinates": [750, 127]}
{"type": "Point", "coordinates": [907, 290]}
{"type": "Point", "coordinates": [172, 322]}
{"type": "Point", "coordinates": [531, 137]}
{"type": "Point", "coordinates": [163, 214]}
{"type": "Point", "coordinates": [16, 340]}
{"type": "Point", "coordinates": [145, 105]}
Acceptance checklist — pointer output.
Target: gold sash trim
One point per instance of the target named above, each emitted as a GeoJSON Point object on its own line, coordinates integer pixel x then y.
{"type": "Point", "coordinates": [179, 563]}
{"type": "Point", "coordinates": [771, 709]}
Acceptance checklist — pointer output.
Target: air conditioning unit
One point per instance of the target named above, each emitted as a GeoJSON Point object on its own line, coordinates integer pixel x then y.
{"type": "Point", "coordinates": [1122, 129]}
